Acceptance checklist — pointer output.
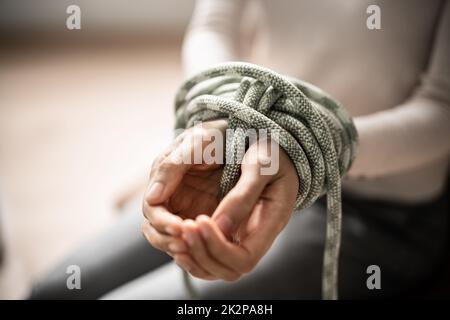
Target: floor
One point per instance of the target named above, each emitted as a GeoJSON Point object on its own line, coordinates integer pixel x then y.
{"type": "Point", "coordinates": [79, 127]}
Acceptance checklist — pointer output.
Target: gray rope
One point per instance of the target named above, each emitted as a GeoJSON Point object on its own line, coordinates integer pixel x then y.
{"type": "Point", "coordinates": [315, 131]}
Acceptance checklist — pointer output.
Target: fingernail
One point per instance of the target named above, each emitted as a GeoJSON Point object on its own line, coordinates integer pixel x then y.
{"type": "Point", "coordinates": [225, 224]}
{"type": "Point", "coordinates": [155, 191]}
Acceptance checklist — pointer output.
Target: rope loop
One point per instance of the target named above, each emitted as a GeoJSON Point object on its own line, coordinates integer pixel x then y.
{"type": "Point", "coordinates": [315, 131]}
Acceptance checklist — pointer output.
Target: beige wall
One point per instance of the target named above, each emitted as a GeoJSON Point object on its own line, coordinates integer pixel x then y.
{"type": "Point", "coordinates": [109, 16]}
{"type": "Point", "coordinates": [79, 124]}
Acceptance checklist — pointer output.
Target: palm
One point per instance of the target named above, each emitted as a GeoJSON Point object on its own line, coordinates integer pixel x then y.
{"type": "Point", "coordinates": [197, 193]}
{"type": "Point", "coordinates": [264, 206]}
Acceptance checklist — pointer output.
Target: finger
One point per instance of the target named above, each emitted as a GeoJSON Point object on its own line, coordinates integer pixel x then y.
{"type": "Point", "coordinates": [237, 205]}
{"type": "Point", "coordinates": [166, 152]}
{"type": "Point", "coordinates": [229, 254]}
{"type": "Point", "coordinates": [273, 217]}
{"type": "Point", "coordinates": [163, 242]}
{"type": "Point", "coordinates": [243, 257]}
{"type": "Point", "coordinates": [185, 262]}
{"type": "Point", "coordinates": [162, 220]}
{"type": "Point", "coordinates": [168, 172]}
{"type": "Point", "coordinates": [199, 253]}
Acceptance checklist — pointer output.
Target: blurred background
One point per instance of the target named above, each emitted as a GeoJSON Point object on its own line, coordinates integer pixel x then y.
{"type": "Point", "coordinates": [82, 115]}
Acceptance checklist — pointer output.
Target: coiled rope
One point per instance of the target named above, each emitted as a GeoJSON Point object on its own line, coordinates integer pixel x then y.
{"type": "Point", "coordinates": [315, 131]}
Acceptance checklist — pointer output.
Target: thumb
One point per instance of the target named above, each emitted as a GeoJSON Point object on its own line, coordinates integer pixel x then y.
{"type": "Point", "coordinates": [238, 204]}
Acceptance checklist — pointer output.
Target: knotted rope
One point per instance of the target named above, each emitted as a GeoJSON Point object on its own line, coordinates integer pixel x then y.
{"type": "Point", "coordinates": [315, 131]}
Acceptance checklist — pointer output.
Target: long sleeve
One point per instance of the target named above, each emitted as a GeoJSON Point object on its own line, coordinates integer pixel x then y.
{"type": "Point", "coordinates": [213, 34]}
{"type": "Point", "coordinates": [416, 132]}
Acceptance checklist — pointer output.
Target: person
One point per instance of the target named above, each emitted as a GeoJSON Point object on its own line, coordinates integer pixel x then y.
{"type": "Point", "coordinates": [394, 81]}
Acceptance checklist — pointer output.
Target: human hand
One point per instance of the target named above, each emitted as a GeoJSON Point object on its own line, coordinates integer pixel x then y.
{"type": "Point", "coordinates": [253, 213]}
{"type": "Point", "coordinates": [180, 189]}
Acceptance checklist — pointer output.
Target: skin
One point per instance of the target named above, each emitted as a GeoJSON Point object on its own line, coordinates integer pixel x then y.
{"type": "Point", "coordinates": [210, 239]}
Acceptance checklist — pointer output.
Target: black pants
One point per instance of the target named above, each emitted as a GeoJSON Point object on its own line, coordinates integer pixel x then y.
{"type": "Point", "coordinates": [407, 243]}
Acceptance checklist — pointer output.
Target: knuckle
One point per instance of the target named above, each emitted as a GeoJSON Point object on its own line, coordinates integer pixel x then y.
{"type": "Point", "coordinates": [179, 139]}
{"type": "Point", "coordinates": [156, 162]}
{"type": "Point", "coordinates": [197, 135]}
{"type": "Point", "coordinates": [264, 159]}
{"type": "Point", "coordinates": [198, 132]}
{"type": "Point", "coordinates": [165, 166]}
{"type": "Point", "coordinates": [156, 165]}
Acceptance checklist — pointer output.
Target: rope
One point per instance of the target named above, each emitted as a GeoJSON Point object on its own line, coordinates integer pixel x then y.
{"type": "Point", "coordinates": [315, 131]}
